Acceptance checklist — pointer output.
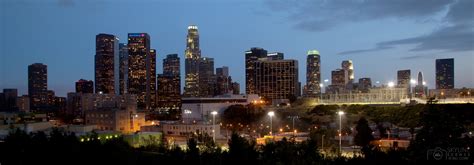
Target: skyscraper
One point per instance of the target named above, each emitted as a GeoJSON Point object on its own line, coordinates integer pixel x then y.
{"type": "Point", "coordinates": [171, 65]}
{"type": "Point", "coordinates": [38, 85]}
{"type": "Point", "coordinates": [365, 84]}
{"type": "Point", "coordinates": [276, 79]}
{"type": "Point", "coordinates": [403, 79]}
{"type": "Point", "coordinates": [123, 78]}
{"type": "Point", "coordinates": [235, 88]}
{"type": "Point", "coordinates": [207, 78]}
{"type": "Point", "coordinates": [445, 73]}
{"type": "Point", "coordinates": [420, 88]}
{"type": "Point", "coordinates": [313, 74]}
{"type": "Point", "coordinates": [193, 55]}
{"type": "Point", "coordinates": [107, 64]}
{"type": "Point", "coordinates": [152, 79]}
{"type": "Point", "coordinates": [140, 69]}
{"type": "Point", "coordinates": [84, 86]}
{"type": "Point", "coordinates": [169, 84]}
{"type": "Point", "coordinates": [223, 81]}
{"type": "Point", "coordinates": [349, 75]}
{"type": "Point", "coordinates": [251, 56]}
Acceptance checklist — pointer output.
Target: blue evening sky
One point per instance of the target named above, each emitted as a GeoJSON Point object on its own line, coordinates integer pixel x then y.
{"type": "Point", "coordinates": [380, 37]}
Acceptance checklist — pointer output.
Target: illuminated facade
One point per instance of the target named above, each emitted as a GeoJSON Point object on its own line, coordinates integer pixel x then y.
{"type": "Point", "coordinates": [112, 112]}
{"type": "Point", "coordinates": [169, 84]}
{"type": "Point", "coordinates": [313, 74]}
{"type": "Point", "coordinates": [107, 64]}
{"type": "Point", "coordinates": [276, 79]}
{"type": "Point", "coordinates": [251, 56]}
{"type": "Point", "coordinates": [123, 78]}
{"type": "Point", "coordinates": [140, 70]}
{"type": "Point", "coordinates": [403, 79]}
{"type": "Point", "coordinates": [37, 85]}
{"type": "Point", "coordinates": [84, 86]}
{"type": "Point", "coordinates": [151, 81]}
{"type": "Point", "coordinates": [349, 75]}
{"type": "Point", "coordinates": [193, 55]}
{"type": "Point", "coordinates": [445, 73]}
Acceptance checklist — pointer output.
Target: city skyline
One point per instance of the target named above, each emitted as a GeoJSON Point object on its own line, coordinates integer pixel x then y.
{"type": "Point", "coordinates": [69, 60]}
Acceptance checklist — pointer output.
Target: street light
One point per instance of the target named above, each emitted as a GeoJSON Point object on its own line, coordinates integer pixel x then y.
{"type": "Point", "coordinates": [293, 120]}
{"type": "Point", "coordinates": [214, 113]}
{"type": "Point", "coordinates": [271, 114]}
{"type": "Point", "coordinates": [340, 113]}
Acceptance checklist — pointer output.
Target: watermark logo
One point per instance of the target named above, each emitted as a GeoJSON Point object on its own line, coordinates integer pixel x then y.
{"type": "Point", "coordinates": [452, 153]}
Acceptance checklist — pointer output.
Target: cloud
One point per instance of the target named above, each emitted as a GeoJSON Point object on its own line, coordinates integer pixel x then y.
{"type": "Point", "coordinates": [455, 35]}
{"type": "Point", "coordinates": [319, 15]}
{"type": "Point", "coordinates": [378, 48]}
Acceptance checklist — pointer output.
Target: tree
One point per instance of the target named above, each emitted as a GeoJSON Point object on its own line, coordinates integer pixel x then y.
{"type": "Point", "coordinates": [241, 151]}
{"type": "Point", "coordinates": [440, 129]}
{"type": "Point", "coordinates": [364, 133]}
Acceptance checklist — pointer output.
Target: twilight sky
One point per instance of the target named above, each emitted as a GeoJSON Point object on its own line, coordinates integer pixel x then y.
{"type": "Point", "coordinates": [380, 37]}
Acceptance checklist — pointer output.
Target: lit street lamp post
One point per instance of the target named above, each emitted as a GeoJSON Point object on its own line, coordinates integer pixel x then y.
{"type": "Point", "coordinates": [340, 113]}
{"type": "Point", "coordinates": [214, 113]}
{"type": "Point", "coordinates": [271, 114]}
{"type": "Point", "coordinates": [293, 120]}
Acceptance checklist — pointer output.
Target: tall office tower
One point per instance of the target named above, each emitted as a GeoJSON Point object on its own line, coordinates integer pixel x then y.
{"type": "Point", "coordinates": [276, 79]}
{"type": "Point", "coordinates": [251, 56]}
{"type": "Point", "coordinates": [140, 69]}
{"type": "Point", "coordinates": [403, 79]}
{"type": "Point", "coordinates": [171, 65]}
{"type": "Point", "coordinates": [38, 85]}
{"type": "Point", "coordinates": [193, 56]}
{"type": "Point", "coordinates": [349, 75]}
{"type": "Point", "coordinates": [313, 74]}
{"type": "Point", "coordinates": [420, 88]}
{"type": "Point", "coordinates": [84, 86]}
{"type": "Point", "coordinates": [207, 78]}
{"type": "Point", "coordinates": [445, 73]}
{"type": "Point", "coordinates": [51, 95]}
{"type": "Point", "coordinates": [152, 80]}
{"type": "Point", "coordinates": [223, 81]}
{"type": "Point", "coordinates": [169, 84]}
{"type": "Point", "coordinates": [338, 77]}
{"type": "Point", "coordinates": [275, 56]}
{"type": "Point", "coordinates": [123, 78]}
{"type": "Point", "coordinates": [106, 64]}
{"type": "Point", "coordinates": [365, 84]}
{"type": "Point", "coordinates": [235, 88]}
